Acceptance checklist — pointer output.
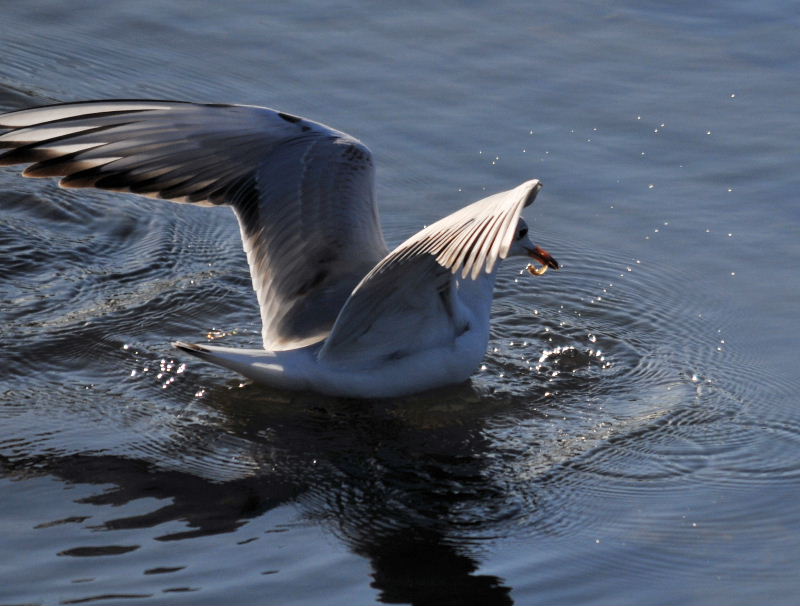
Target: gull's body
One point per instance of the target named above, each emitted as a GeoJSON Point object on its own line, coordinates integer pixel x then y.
{"type": "Point", "coordinates": [451, 360]}
{"type": "Point", "coordinates": [341, 314]}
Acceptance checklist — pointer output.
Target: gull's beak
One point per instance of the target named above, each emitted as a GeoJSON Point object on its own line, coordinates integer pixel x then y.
{"type": "Point", "coordinates": [542, 256]}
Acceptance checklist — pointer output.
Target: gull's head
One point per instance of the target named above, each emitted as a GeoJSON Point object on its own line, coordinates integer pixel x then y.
{"type": "Point", "coordinates": [523, 247]}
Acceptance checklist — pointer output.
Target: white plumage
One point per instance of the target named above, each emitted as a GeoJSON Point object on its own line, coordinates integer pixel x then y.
{"type": "Point", "coordinates": [341, 314]}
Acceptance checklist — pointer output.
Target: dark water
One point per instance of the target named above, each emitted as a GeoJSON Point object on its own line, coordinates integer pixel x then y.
{"type": "Point", "coordinates": [634, 435]}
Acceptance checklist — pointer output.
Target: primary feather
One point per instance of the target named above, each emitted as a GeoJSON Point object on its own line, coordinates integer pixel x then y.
{"type": "Point", "coordinates": [302, 192]}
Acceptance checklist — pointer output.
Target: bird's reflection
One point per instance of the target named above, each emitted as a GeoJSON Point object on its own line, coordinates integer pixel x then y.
{"type": "Point", "coordinates": [400, 483]}
{"type": "Point", "coordinates": [422, 567]}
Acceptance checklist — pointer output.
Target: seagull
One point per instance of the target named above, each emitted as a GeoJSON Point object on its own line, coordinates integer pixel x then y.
{"type": "Point", "coordinates": [341, 314]}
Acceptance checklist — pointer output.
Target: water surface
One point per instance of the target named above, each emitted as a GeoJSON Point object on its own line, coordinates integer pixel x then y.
{"type": "Point", "coordinates": [633, 435]}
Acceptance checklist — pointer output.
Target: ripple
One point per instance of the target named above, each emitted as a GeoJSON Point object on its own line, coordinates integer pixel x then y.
{"type": "Point", "coordinates": [761, 452]}
{"type": "Point", "coordinates": [616, 385]}
{"type": "Point", "coordinates": [105, 597]}
{"type": "Point", "coordinates": [118, 269]}
{"type": "Point", "coordinates": [604, 384]}
{"type": "Point", "coordinates": [99, 550]}
{"type": "Point", "coordinates": [164, 570]}
{"type": "Point", "coordinates": [577, 322]}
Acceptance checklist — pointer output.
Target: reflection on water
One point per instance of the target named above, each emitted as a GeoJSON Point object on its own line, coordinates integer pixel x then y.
{"type": "Point", "coordinates": [383, 485]}
{"type": "Point", "coordinates": [589, 389]}
{"type": "Point", "coordinates": [417, 485]}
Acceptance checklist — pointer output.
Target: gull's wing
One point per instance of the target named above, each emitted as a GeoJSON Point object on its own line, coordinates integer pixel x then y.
{"type": "Point", "coordinates": [409, 301]}
{"type": "Point", "coordinates": [303, 192]}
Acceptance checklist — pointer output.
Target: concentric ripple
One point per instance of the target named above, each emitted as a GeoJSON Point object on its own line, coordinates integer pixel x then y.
{"type": "Point", "coordinates": [604, 382]}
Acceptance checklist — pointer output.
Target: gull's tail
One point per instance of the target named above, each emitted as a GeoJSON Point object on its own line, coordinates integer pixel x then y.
{"type": "Point", "coordinates": [288, 369]}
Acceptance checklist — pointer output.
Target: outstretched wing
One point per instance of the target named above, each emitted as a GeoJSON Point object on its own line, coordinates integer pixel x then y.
{"type": "Point", "coordinates": [411, 300]}
{"type": "Point", "coordinates": [303, 192]}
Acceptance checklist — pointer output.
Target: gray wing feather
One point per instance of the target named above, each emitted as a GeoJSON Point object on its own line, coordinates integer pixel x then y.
{"type": "Point", "coordinates": [406, 303]}
{"type": "Point", "coordinates": [303, 192]}
{"type": "Point", "coordinates": [393, 314]}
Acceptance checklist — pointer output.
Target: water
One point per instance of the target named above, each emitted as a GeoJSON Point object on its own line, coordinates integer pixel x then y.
{"type": "Point", "coordinates": [633, 437]}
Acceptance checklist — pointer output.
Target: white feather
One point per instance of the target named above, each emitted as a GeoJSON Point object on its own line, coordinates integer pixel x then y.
{"type": "Point", "coordinates": [340, 314]}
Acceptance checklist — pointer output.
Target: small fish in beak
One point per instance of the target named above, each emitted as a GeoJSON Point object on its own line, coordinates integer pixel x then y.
{"type": "Point", "coordinates": [542, 256]}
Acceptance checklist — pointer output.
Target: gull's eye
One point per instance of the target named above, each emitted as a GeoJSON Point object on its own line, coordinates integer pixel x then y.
{"type": "Point", "coordinates": [523, 231]}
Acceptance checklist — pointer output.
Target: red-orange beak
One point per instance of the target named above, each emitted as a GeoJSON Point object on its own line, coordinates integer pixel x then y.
{"type": "Point", "coordinates": [542, 256]}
